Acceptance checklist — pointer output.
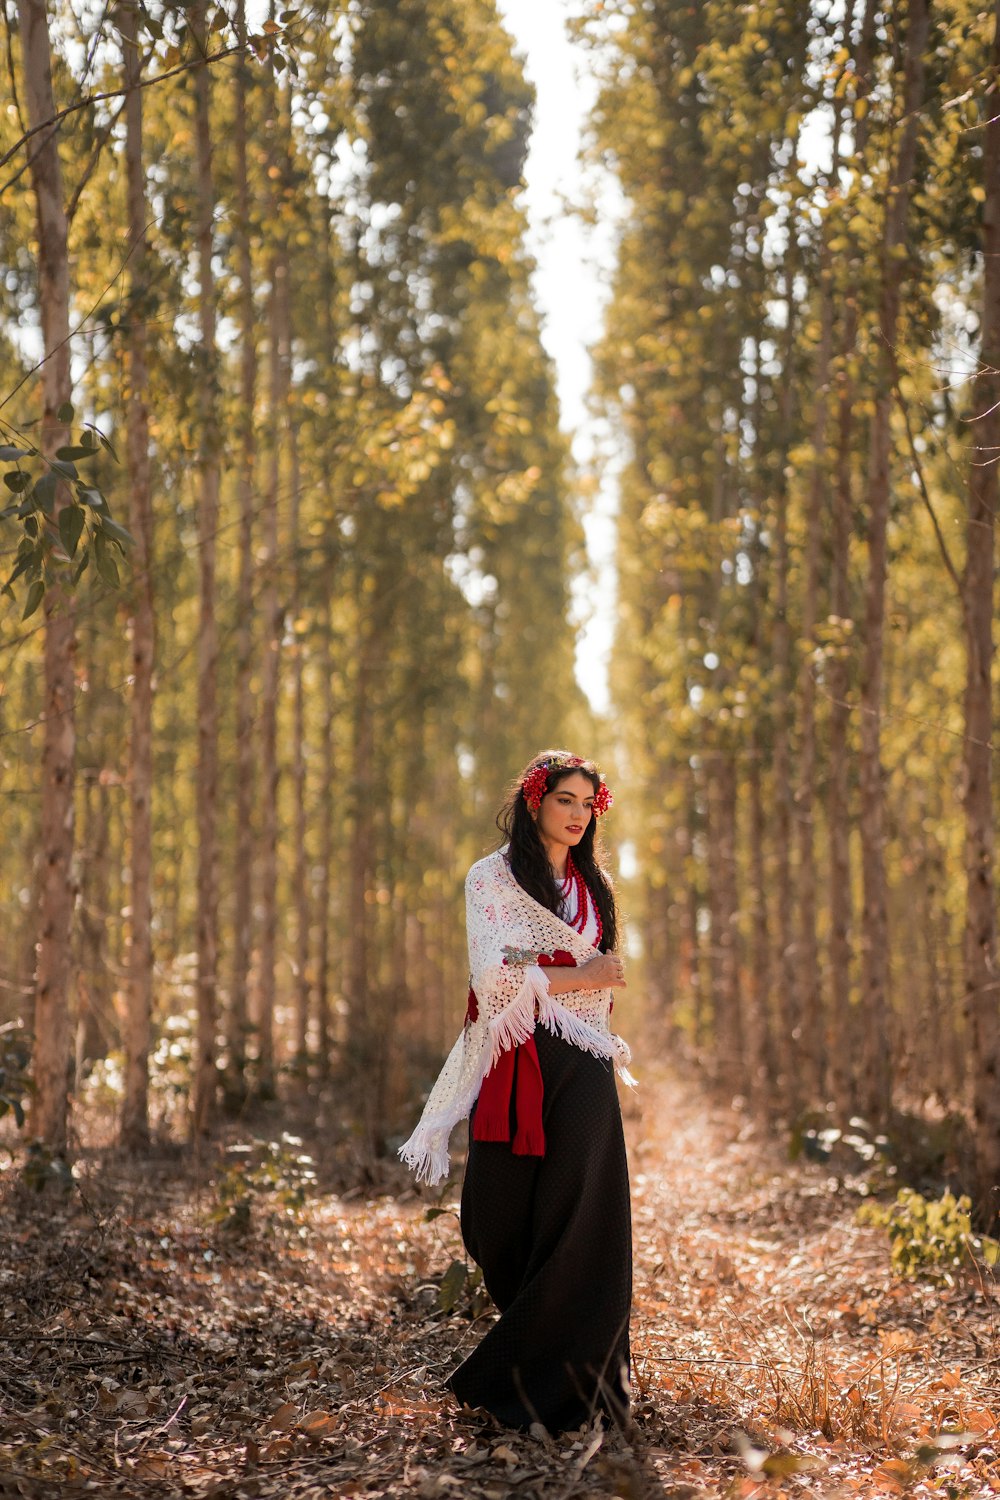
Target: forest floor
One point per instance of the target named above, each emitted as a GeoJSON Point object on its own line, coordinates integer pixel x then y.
{"type": "Point", "coordinates": [166, 1330]}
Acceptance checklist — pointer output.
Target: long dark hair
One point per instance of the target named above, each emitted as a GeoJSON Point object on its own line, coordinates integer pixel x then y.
{"type": "Point", "coordinates": [527, 856]}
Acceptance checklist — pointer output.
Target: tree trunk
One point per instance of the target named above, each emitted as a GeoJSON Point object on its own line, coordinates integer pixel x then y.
{"type": "Point", "coordinates": [52, 1042]}
{"type": "Point", "coordinates": [238, 1012]}
{"type": "Point", "coordinates": [274, 624]}
{"type": "Point", "coordinates": [326, 813]}
{"type": "Point", "coordinates": [982, 987]}
{"type": "Point", "coordinates": [300, 880]}
{"type": "Point", "coordinates": [843, 1072]}
{"type": "Point", "coordinates": [135, 1111]}
{"type": "Point", "coordinates": [815, 1042]}
{"type": "Point", "coordinates": [205, 1079]}
{"type": "Point", "coordinates": [793, 1085]}
{"type": "Point", "coordinates": [731, 1044]}
{"type": "Point", "coordinates": [761, 1033]}
{"type": "Point", "coordinates": [360, 1000]}
{"type": "Point", "coordinates": [876, 1098]}
{"type": "Point", "coordinates": [96, 1025]}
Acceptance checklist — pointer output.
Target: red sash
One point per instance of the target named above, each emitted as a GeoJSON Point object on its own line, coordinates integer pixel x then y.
{"type": "Point", "coordinates": [492, 1122]}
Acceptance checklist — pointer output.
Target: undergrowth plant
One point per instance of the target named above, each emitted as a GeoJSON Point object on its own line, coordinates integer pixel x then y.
{"type": "Point", "coordinates": [15, 1080]}
{"type": "Point", "coordinates": [264, 1179]}
{"type": "Point", "coordinates": [930, 1237]}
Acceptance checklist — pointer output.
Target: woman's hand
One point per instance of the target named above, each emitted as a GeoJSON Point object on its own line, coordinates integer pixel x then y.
{"type": "Point", "coordinates": [606, 971]}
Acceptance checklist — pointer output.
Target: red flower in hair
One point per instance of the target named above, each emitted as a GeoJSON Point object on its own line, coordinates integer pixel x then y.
{"type": "Point", "coordinates": [536, 784]}
{"type": "Point", "coordinates": [603, 798]}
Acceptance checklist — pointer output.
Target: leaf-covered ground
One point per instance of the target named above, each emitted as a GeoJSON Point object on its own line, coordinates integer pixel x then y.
{"type": "Point", "coordinates": [146, 1349]}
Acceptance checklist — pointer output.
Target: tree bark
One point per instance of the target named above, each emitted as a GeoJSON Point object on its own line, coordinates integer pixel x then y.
{"type": "Point", "coordinates": [96, 1024]}
{"type": "Point", "coordinates": [761, 1033]}
{"type": "Point", "coordinates": [810, 990]}
{"type": "Point", "coordinates": [300, 880]}
{"type": "Point", "coordinates": [205, 1080]}
{"type": "Point", "coordinates": [843, 1071]}
{"type": "Point", "coordinates": [876, 1094]}
{"type": "Point", "coordinates": [135, 1110]}
{"type": "Point", "coordinates": [786, 971]}
{"type": "Point", "coordinates": [274, 624]}
{"type": "Point", "coordinates": [238, 1012]}
{"type": "Point", "coordinates": [326, 813]}
{"type": "Point", "coordinates": [981, 981]}
{"type": "Point", "coordinates": [49, 1108]}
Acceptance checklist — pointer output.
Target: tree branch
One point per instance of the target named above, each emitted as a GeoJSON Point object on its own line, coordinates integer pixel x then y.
{"type": "Point", "coordinates": [146, 83]}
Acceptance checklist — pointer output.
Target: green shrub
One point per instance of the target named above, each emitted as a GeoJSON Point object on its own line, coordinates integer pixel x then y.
{"type": "Point", "coordinates": [44, 1168]}
{"type": "Point", "coordinates": [929, 1237]}
{"type": "Point", "coordinates": [275, 1174]}
{"type": "Point", "coordinates": [15, 1060]}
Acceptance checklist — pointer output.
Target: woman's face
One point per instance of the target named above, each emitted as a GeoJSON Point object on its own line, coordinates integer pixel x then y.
{"type": "Point", "coordinates": [565, 812]}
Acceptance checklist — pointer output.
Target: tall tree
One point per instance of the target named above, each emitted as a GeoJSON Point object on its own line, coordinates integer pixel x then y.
{"type": "Point", "coordinates": [52, 974]}
{"type": "Point", "coordinates": [208, 469]}
{"type": "Point", "coordinates": [876, 1081]}
{"type": "Point", "coordinates": [982, 984]}
{"type": "Point", "coordinates": [238, 1011]}
{"type": "Point", "coordinates": [135, 1110]}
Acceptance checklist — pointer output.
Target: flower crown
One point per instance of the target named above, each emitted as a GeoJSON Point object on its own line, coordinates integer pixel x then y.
{"type": "Point", "coordinates": [536, 784]}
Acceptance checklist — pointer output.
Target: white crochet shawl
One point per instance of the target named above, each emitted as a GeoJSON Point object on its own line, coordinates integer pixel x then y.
{"type": "Point", "coordinates": [507, 930]}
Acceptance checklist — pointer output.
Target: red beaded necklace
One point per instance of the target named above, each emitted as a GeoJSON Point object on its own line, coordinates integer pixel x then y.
{"type": "Point", "coordinates": [574, 878]}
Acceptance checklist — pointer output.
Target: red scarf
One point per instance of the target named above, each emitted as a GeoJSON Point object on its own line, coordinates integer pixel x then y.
{"type": "Point", "coordinates": [492, 1122]}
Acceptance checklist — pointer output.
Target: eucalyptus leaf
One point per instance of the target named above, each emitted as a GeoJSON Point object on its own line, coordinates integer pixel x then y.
{"type": "Point", "coordinates": [22, 565]}
{"type": "Point", "coordinates": [106, 565]}
{"type": "Point", "coordinates": [36, 594]}
{"type": "Point", "coordinates": [65, 412]}
{"type": "Point", "coordinates": [75, 450]}
{"type": "Point", "coordinates": [117, 533]}
{"type": "Point", "coordinates": [44, 493]}
{"type": "Point", "coordinates": [71, 527]}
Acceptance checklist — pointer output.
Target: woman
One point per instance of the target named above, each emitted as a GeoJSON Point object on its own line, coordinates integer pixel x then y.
{"type": "Point", "coordinates": [545, 1202]}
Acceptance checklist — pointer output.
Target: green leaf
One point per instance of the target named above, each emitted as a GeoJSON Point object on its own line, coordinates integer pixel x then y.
{"type": "Point", "coordinates": [17, 480]}
{"type": "Point", "coordinates": [106, 565]}
{"type": "Point", "coordinates": [71, 527]}
{"type": "Point", "coordinates": [106, 442]}
{"type": "Point", "coordinates": [31, 524]}
{"type": "Point", "coordinates": [64, 468]}
{"type": "Point", "coordinates": [35, 596]}
{"type": "Point", "coordinates": [8, 453]}
{"type": "Point", "coordinates": [81, 565]}
{"type": "Point", "coordinates": [91, 497]}
{"type": "Point", "coordinates": [65, 412]}
{"type": "Point", "coordinates": [75, 450]}
{"type": "Point", "coordinates": [22, 565]}
{"type": "Point", "coordinates": [117, 533]}
{"type": "Point", "coordinates": [45, 493]}
{"type": "Point", "coordinates": [452, 1285]}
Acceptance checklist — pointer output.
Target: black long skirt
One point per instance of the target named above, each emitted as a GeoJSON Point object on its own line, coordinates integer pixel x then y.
{"type": "Point", "coordinates": [553, 1235]}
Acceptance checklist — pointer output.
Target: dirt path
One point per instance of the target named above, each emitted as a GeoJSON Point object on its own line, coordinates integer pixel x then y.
{"type": "Point", "coordinates": [146, 1351]}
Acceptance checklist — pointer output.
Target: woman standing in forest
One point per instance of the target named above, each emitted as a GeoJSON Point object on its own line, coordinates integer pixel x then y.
{"type": "Point", "coordinates": [545, 1202]}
